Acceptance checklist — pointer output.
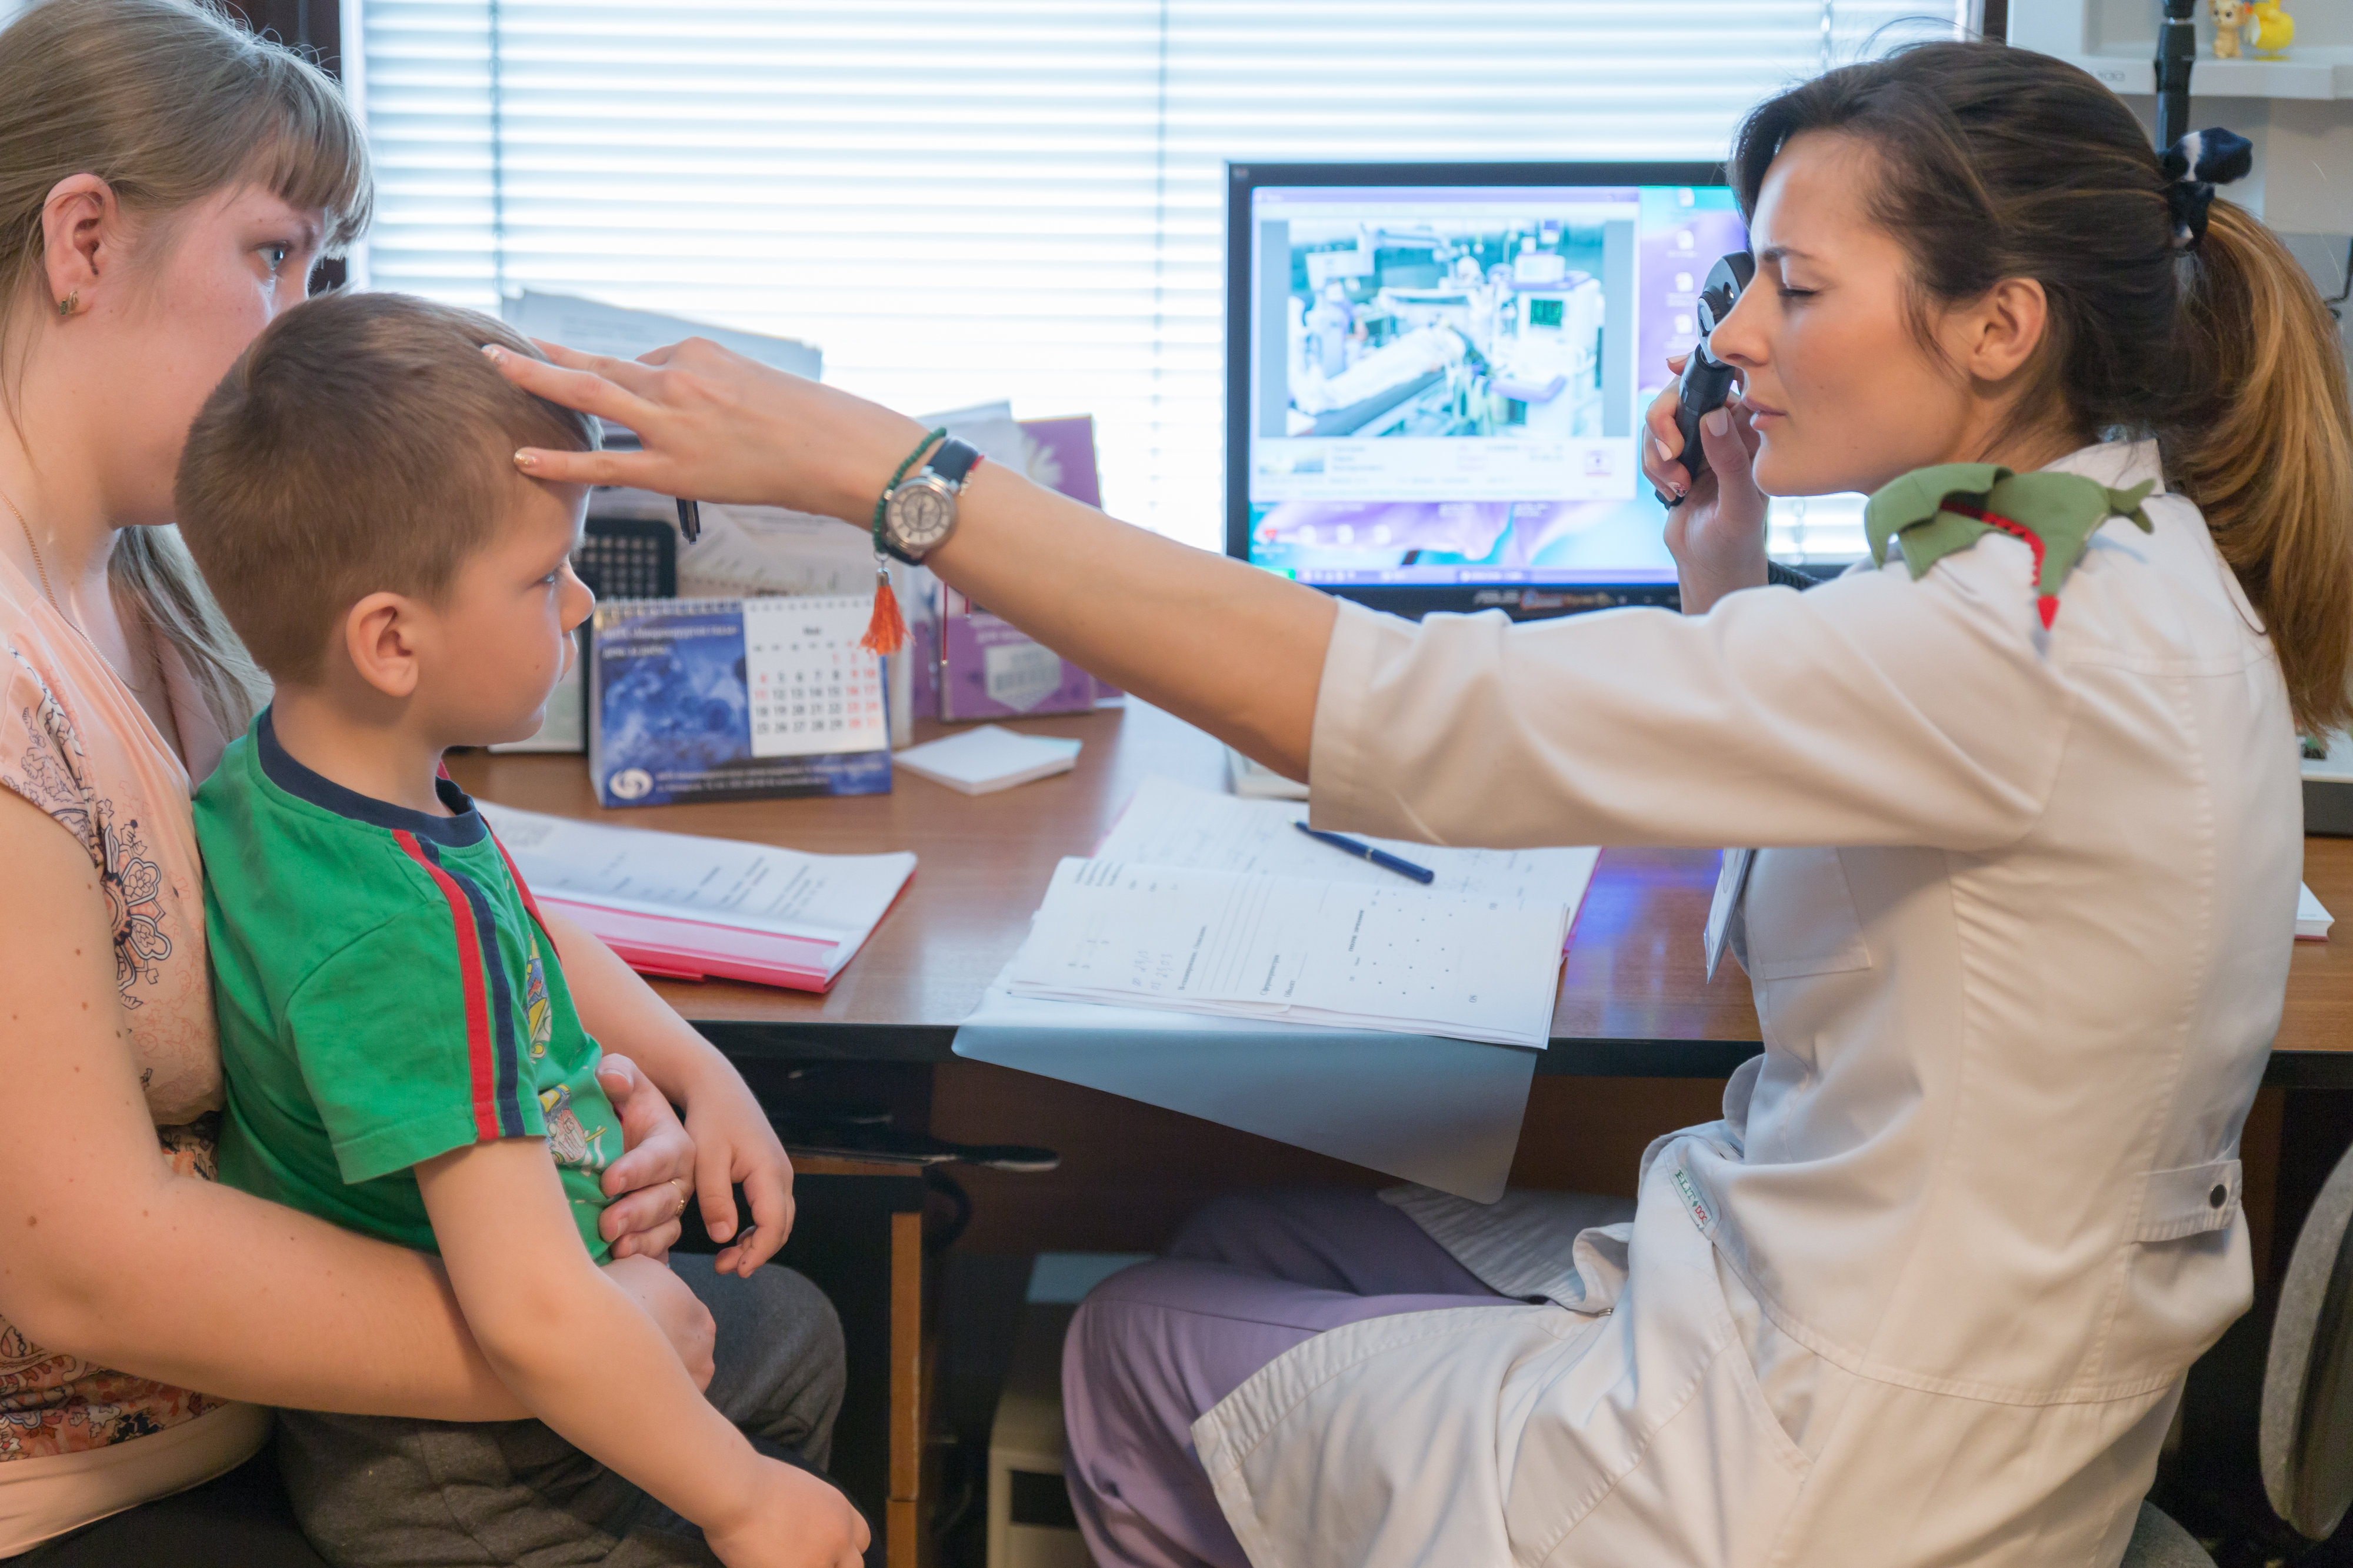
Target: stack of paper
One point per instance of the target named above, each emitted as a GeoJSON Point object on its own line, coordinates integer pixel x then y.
{"type": "Point", "coordinates": [1170, 823]}
{"type": "Point", "coordinates": [990, 758]}
{"type": "Point", "coordinates": [1294, 949]}
{"type": "Point", "coordinates": [690, 907]}
{"type": "Point", "coordinates": [1198, 903]}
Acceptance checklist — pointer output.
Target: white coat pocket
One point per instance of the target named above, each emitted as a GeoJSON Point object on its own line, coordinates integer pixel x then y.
{"type": "Point", "coordinates": [1800, 916]}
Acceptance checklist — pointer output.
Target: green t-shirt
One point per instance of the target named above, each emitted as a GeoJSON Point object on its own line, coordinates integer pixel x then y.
{"type": "Point", "coordinates": [386, 994]}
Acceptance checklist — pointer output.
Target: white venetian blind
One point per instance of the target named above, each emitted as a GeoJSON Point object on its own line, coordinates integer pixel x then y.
{"type": "Point", "coordinates": [1024, 199]}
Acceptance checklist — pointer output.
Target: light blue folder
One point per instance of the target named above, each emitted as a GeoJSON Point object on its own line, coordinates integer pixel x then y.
{"type": "Point", "coordinates": [1442, 1112]}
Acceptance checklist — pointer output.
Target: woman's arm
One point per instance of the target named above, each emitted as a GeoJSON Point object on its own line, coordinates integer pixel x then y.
{"type": "Point", "coordinates": [1239, 652]}
{"type": "Point", "coordinates": [111, 1257]}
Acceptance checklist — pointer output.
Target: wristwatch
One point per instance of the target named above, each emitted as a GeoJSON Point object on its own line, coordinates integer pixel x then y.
{"type": "Point", "coordinates": [920, 511]}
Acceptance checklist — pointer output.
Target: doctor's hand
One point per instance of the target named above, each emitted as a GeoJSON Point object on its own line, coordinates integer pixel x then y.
{"type": "Point", "coordinates": [718, 427]}
{"type": "Point", "coordinates": [1716, 530]}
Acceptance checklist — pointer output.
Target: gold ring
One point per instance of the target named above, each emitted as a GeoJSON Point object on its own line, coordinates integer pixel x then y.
{"type": "Point", "coordinates": [681, 1198]}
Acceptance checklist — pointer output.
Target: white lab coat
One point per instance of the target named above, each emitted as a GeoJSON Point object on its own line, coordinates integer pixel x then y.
{"type": "Point", "coordinates": [1924, 1295]}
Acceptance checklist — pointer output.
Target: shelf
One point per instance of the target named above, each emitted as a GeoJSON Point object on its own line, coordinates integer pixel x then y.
{"type": "Point", "coordinates": [2320, 71]}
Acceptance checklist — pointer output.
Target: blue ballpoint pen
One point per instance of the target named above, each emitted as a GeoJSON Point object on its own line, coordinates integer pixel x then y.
{"type": "Point", "coordinates": [1364, 851]}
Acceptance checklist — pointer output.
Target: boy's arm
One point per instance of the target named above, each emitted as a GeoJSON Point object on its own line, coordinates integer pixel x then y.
{"type": "Point", "coordinates": [577, 1351]}
{"type": "Point", "coordinates": [733, 1140]}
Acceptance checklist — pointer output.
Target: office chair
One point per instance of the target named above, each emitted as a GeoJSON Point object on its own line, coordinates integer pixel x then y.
{"type": "Point", "coordinates": [2302, 1431]}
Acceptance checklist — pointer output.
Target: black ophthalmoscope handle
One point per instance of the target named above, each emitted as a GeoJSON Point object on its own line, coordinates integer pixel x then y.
{"type": "Point", "coordinates": [1706, 381]}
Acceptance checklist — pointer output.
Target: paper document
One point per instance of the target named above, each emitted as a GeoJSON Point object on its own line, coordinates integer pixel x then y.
{"type": "Point", "coordinates": [2312, 917]}
{"type": "Point", "coordinates": [1170, 823]}
{"type": "Point", "coordinates": [831, 902]}
{"type": "Point", "coordinates": [1303, 950]}
{"type": "Point", "coordinates": [594, 327]}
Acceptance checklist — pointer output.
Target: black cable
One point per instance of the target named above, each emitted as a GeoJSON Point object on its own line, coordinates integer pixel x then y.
{"type": "Point", "coordinates": [2177, 51]}
{"type": "Point", "coordinates": [2337, 303]}
{"type": "Point", "coordinates": [937, 1180]}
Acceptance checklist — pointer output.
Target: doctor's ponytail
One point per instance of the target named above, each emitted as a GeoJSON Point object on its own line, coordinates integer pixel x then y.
{"type": "Point", "coordinates": [1998, 163]}
{"type": "Point", "coordinates": [2263, 447]}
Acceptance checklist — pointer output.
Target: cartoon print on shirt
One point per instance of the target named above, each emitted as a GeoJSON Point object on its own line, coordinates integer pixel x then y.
{"type": "Point", "coordinates": [572, 1145]}
{"type": "Point", "coordinates": [536, 1010]}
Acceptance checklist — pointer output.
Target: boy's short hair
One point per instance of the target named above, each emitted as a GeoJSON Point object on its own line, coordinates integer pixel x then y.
{"type": "Point", "coordinates": [359, 445]}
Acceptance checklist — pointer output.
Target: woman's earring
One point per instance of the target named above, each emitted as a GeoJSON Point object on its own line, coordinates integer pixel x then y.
{"type": "Point", "coordinates": [68, 305]}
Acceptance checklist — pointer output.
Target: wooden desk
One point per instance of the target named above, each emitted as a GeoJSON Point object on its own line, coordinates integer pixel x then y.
{"type": "Point", "coordinates": [1634, 1001]}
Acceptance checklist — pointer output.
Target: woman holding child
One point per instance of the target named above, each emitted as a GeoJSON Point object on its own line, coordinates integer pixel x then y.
{"type": "Point", "coordinates": [2019, 928]}
{"type": "Point", "coordinates": [166, 185]}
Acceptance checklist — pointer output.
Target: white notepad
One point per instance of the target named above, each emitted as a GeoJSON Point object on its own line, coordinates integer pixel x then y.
{"type": "Point", "coordinates": [990, 758]}
{"type": "Point", "coordinates": [1393, 957]}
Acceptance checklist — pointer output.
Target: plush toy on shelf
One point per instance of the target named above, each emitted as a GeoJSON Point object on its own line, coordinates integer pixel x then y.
{"type": "Point", "coordinates": [2269, 30]}
{"type": "Point", "coordinates": [2229, 20]}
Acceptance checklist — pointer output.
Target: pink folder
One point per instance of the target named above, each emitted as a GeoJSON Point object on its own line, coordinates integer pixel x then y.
{"type": "Point", "coordinates": [674, 948]}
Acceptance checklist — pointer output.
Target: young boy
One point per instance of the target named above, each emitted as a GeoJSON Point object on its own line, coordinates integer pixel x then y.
{"type": "Point", "coordinates": [405, 1054]}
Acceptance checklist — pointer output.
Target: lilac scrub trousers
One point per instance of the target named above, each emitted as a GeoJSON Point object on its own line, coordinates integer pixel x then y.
{"type": "Point", "coordinates": [1154, 1347]}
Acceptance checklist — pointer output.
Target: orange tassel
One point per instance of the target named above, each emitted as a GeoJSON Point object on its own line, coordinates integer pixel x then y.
{"type": "Point", "coordinates": [887, 632]}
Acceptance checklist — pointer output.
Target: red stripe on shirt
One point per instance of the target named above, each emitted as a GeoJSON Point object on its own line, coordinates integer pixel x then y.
{"type": "Point", "coordinates": [521, 886]}
{"type": "Point", "coordinates": [478, 1007]}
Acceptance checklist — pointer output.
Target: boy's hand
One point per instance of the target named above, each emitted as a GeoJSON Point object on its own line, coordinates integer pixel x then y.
{"type": "Point", "coordinates": [792, 1521]}
{"type": "Point", "coordinates": [649, 1185]}
{"type": "Point", "coordinates": [676, 1310]}
{"type": "Point", "coordinates": [735, 1142]}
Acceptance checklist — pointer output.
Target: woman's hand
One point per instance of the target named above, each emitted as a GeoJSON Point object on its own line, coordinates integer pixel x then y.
{"type": "Point", "coordinates": [1717, 530]}
{"type": "Point", "coordinates": [718, 427]}
{"type": "Point", "coordinates": [736, 1143]}
{"type": "Point", "coordinates": [648, 1186]}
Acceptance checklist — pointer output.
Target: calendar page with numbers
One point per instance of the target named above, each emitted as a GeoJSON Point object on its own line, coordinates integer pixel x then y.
{"type": "Point", "coordinates": [813, 690]}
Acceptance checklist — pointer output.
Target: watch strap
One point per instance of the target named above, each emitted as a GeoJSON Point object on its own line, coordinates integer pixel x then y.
{"type": "Point", "coordinates": [954, 460]}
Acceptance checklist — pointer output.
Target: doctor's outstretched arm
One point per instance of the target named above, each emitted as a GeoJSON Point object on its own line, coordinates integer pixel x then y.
{"type": "Point", "coordinates": [1239, 652]}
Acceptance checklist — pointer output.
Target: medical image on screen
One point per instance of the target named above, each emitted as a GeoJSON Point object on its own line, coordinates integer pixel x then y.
{"type": "Point", "coordinates": [1444, 329]}
{"type": "Point", "coordinates": [1446, 382]}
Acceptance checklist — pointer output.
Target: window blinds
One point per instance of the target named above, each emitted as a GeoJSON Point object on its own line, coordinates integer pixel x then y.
{"type": "Point", "coordinates": [961, 202]}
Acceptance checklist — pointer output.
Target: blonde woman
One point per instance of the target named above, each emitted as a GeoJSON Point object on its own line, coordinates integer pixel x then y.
{"type": "Point", "coordinates": [166, 183]}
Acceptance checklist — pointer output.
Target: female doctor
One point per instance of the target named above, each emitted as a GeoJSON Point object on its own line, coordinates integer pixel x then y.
{"type": "Point", "coordinates": [2018, 929]}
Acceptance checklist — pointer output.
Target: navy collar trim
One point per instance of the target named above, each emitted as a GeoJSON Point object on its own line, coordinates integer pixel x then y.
{"type": "Point", "coordinates": [465, 827]}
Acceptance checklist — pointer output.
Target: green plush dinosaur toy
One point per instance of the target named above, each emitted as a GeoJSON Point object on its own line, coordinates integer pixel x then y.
{"type": "Point", "coordinates": [1950, 507]}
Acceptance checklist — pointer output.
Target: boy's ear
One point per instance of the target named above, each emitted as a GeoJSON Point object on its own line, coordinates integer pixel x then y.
{"type": "Point", "coordinates": [380, 639]}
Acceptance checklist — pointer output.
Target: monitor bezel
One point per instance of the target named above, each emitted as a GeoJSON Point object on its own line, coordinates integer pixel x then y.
{"type": "Point", "coordinates": [1243, 177]}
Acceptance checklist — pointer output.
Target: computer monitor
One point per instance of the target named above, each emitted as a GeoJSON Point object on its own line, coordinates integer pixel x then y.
{"type": "Point", "coordinates": [1436, 375]}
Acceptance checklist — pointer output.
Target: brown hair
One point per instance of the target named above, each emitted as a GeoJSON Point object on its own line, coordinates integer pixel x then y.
{"type": "Point", "coordinates": [168, 102]}
{"type": "Point", "coordinates": [2000, 162]}
{"type": "Point", "coordinates": [362, 444]}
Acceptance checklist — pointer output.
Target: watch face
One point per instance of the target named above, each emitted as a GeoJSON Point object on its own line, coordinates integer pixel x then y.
{"type": "Point", "coordinates": [922, 512]}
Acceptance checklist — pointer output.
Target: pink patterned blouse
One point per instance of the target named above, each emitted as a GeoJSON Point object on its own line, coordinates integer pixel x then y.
{"type": "Point", "coordinates": [75, 742]}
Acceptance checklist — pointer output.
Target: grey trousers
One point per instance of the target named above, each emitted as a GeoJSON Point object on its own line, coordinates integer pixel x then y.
{"type": "Point", "coordinates": [375, 1491]}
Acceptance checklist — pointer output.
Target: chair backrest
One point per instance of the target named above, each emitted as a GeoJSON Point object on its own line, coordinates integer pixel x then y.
{"type": "Point", "coordinates": [2305, 1438]}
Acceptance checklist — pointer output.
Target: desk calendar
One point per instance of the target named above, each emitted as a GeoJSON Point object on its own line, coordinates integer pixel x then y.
{"type": "Point", "coordinates": [735, 699]}
{"type": "Point", "coordinates": [813, 688]}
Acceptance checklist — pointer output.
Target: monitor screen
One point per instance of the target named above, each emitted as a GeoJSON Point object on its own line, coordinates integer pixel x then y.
{"type": "Point", "coordinates": [1437, 372]}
